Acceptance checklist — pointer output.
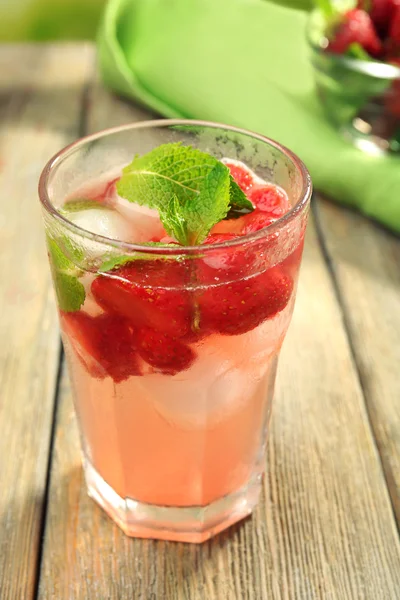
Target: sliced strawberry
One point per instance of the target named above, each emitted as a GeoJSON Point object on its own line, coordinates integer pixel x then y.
{"type": "Point", "coordinates": [163, 352]}
{"type": "Point", "coordinates": [229, 226]}
{"type": "Point", "coordinates": [219, 238]}
{"type": "Point", "coordinates": [238, 307]}
{"type": "Point", "coordinates": [256, 220]}
{"type": "Point", "coordinates": [109, 191]}
{"type": "Point", "coordinates": [104, 344]}
{"type": "Point", "coordinates": [241, 175]}
{"type": "Point", "coordinates": [244, 225]}
{"type": "Point", "coordinates": [150, 293]}
{"type": "Point", "coordinates": [271, 199]}
{"type": "Point", "coordinates": [355, 28]}
{"type": "Point", "coordinates": [221, 264]}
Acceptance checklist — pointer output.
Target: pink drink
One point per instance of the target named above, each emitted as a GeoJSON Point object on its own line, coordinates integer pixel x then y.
{"type": "Point", "coordinates": [173, 360]}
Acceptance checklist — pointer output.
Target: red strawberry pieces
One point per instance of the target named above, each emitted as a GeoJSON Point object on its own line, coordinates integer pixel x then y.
{"type": "Point", "coordinates": [356, 28]}
{"type": "Point", "coordinates": [151, 296]}
{"type": "Point", "coordinates": [380, 12]}
{"type": "Point", "coordinates": [223, 260]}
{"type": "Point", "coordinates": [104, 344]}
{"type": "Point", "coordinates": [240, 306]}
{"type": "Point", "coordinates": [166, 354]}
{"type": "Point", "coordinates": [150, 293]}
{"type": "Point", "coordinates": [256, 220]}
{"type": "Point", "coordinates": [271, 199]}
{"type": "Point", "coordinates": [241, 175]}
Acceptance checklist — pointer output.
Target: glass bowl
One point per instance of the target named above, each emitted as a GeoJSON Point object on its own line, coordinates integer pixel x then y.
{"type": "Point", "coordinates": [360, 98]}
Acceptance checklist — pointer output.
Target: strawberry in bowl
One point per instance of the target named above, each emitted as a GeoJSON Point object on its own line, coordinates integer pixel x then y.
{"type": "Point", "coordinates": [356, 58]}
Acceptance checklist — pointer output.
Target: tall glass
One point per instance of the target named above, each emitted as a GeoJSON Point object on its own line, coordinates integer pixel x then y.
{"type": "Point", "coordinates": [178, 456]}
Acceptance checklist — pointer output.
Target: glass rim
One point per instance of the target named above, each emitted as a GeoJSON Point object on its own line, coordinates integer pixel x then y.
{"type": "Point", "coordinates": [131, 247]}
{"type": "Point", "coordinates": [379, 70]}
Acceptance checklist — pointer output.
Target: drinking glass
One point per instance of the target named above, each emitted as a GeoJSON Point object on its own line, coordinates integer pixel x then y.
{"type": "Point", "coordinates": [175, 455]}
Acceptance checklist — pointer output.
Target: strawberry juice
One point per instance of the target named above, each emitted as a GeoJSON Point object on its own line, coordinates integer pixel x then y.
{"type": "Point", "coordinates": [173, 352]}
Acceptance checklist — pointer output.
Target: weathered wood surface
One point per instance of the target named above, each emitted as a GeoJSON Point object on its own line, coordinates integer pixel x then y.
{"type": "Point", "coordinates": [40, 105]}
{"type": "Point", "coordinates": [325, 528]}
{"type": "Point", "coordinates": [365, 262]}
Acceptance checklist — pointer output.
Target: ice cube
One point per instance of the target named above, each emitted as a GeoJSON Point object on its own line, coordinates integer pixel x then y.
{"type": "Point", "coordinates": [210, 391]}
{"type": "Point", "coordinates": [90, 305]}
{"type": "Point", "coordinates": [103, 221]}
{"type": "Point", "coordinates": [144, 222]}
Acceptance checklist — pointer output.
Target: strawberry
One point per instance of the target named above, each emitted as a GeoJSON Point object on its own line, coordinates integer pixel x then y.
{"type": "Point", "coordinates": [219, 238]}
{"type": "Point", "coordinates": [380, 12]}
{"type": "Point", "coordinates": [163, 352]}
{"type": "Point", "coordinates": [271, 199]}
{"type": "Point", "coordinates": [238, 307]}
{"type": "Point", "coordinates": [256, 220]}
{"type": "Point", "coordinates": [244, 225]}
{"type": "Point", "coordinates": [104, 344]}
{"type": "Point", "coordinates": [241, 175]}
{"type": "Point", "coordinates": [226, 264]}
{"type": "Point", "coordinates": [109, 191]}
{"type": "Point", "coordinates": [150, 293]}
{"type": "Point", "coordinates": [356, 27]}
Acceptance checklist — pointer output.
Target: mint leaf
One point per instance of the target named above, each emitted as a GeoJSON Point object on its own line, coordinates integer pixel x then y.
{"type": "Point", "coordinates": [78, 204]}
{"type": "Point", "coordinates": [190, 222]}
{"type": "Point", "coordinates": [210, 206]}
{"type": "Point", "coordinates": [192, 190]}
{"type": "Point", "coordinates": [166, 170]}
{"type": "Point", "coordinates": [172, 217]}
{"type": "Point", "coordinates": [238, 199]}
{"type": "Point", "coordinates": [111, 262]}
{"type": "Point", "coordinates": [69, 290]}
{"type": "Point", "coordinates": [172, 169]}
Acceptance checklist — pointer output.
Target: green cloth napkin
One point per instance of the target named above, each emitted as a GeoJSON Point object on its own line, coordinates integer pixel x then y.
{"type": "Point", "coordinates": [246, 63]}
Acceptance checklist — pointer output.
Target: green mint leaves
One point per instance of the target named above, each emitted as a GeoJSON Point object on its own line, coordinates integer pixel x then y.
{"type": "Point", "coordinates": [191, 190]}
{"type": "Point", "coordinates": [190, 221]}
{"type": "Point", "coordinates": [112, 261]}
{"type": "Point", "coordinates": [69, 290]}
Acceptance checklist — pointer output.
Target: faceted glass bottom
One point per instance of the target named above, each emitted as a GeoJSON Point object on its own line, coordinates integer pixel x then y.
{"type": "Point", "coordinates": [193, 524]}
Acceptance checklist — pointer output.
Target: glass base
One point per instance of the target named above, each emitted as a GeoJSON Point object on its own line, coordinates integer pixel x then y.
{"type": "Point", "coordinates": [193, 524]}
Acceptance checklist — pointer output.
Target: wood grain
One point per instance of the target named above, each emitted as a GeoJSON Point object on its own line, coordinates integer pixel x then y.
{"type": "Point", "coordinates": [365, 261]}
{"type": "Point", "coordinates": [40, 94]}
{"type": "Point", "coordinates": [324, 528]}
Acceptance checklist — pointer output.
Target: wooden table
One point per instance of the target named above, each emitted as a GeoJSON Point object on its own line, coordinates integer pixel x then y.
{"type": "Point", "coordinates": [326, 526]}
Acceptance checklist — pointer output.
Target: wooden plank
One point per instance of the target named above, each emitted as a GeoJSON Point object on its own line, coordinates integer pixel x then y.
{"type": "Point", "coordinates": [40, 92]}
{"type": "Point", "coordinates": [324, 528]}
{"type": "Point", "coordinates": [365, 260]}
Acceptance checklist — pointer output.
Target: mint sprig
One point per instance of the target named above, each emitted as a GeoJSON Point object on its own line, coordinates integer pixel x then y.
{"type": "Point", "coordinates": [190, 222]}
{"type": "Point", "coordinates": [69, 290]}
{"type": "Point", "coordinates": [111, 262]}
{"type": "Point", "coordinates": [192, 190]}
